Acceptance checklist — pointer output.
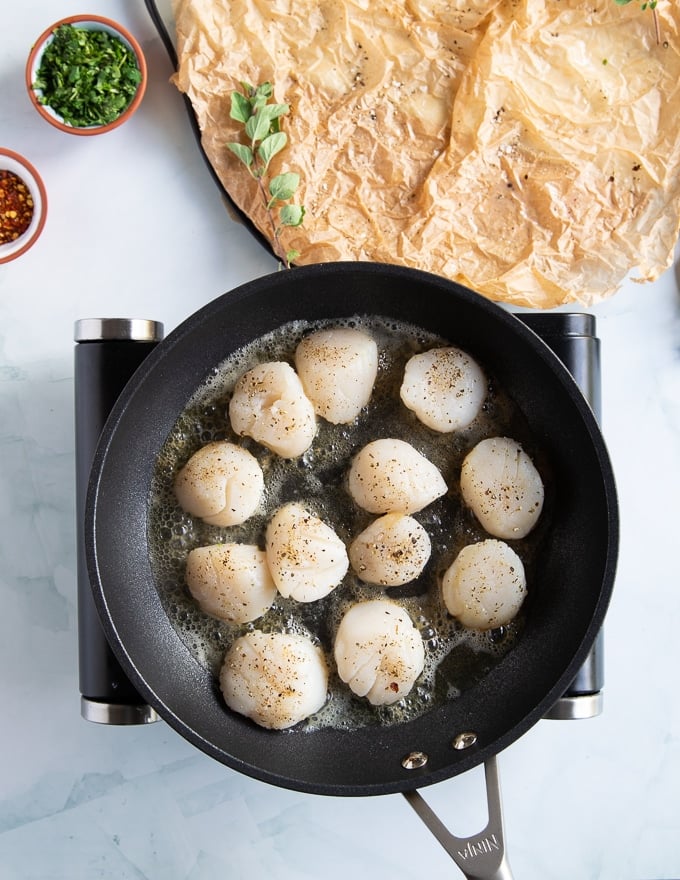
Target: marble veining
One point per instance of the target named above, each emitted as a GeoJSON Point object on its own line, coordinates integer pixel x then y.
{"type": "Point", "coordinates": [136, 228]}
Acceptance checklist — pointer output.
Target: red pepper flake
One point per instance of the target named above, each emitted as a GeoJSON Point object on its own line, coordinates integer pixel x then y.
{"type": "Point", "coordinates": [16, 206]}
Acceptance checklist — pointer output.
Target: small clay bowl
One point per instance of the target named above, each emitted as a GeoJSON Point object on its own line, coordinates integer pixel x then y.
{"type": "Point", "coordinates": [14, 164]}
{"type": "Point", "coordinates": [93, 23]}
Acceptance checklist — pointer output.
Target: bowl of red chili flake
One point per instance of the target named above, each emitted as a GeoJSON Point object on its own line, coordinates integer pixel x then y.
{"type": "Point", "coordinates": [23, 205]}
{"type": "Point", "coordinates": [86, 74]}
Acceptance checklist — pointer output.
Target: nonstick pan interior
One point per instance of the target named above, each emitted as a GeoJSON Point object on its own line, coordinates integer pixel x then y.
{"type": "Point", "coordinates": [575, 575]}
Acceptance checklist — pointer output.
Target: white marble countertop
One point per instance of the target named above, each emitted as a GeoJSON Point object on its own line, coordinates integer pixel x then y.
{"type": "Point", "coordinates": [137, 228]}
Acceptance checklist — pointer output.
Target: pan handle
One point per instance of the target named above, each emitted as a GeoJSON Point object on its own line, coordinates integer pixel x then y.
{"type": "Point", "coordinates": [481, 857]}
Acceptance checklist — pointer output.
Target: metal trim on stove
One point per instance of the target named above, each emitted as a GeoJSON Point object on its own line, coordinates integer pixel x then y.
{"type": "Point", "coordinates": [116, 713]}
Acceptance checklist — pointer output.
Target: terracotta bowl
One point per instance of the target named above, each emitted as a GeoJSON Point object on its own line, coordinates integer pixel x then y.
{"type": "Point", "coordinates": [22, 168]}
{"type": "Point", "coordinates": [86, 22]}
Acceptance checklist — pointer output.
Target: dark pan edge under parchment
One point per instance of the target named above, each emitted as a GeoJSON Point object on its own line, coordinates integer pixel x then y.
{"type": "Point", "coordinates": [579, 563]}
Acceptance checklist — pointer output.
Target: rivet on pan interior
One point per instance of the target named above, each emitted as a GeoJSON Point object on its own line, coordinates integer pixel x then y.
{"type": "Point", "coordinates": [464, 740]}
{"type": "Point", "coordinates": [414, 760]}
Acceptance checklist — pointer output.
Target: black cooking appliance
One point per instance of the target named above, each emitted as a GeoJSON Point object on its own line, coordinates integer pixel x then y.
{"type": "Point", "coordinates": [112, 505]}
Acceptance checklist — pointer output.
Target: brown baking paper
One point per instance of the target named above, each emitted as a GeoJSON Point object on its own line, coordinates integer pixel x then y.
{"type": "Point", "coordinates": [529, 150]}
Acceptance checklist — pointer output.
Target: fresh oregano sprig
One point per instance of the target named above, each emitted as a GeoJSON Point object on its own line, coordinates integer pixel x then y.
{"type": "Point", "coordinates": [262, 127]}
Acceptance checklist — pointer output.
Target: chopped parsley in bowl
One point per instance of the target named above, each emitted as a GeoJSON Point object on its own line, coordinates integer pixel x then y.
{"type": "Point", "coordinates": [86, 75]}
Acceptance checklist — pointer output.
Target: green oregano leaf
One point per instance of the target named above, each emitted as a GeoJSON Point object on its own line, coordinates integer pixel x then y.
{"type": "Point", "coordinates": [240, 107]}
{"type": "Point", "coordinates": [274, 111]}
{"type": "Point", "coordinates": [291, 215]}
{"type": "Point", "coordinates": [257, 127]}
{"type": "Point", "coordinates": [270, 146]}
{"type": "Point", "coordinates": [283, 186]}
{"type": "Point", "coordinates": [264, 90]}
{"type": "Point", "coordinates": [243, 152]}
{"type": "Point", "coordinates": [257, 102]}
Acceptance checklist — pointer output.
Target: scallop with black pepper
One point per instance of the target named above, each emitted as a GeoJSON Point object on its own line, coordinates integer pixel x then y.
{"type": "Point", "coordinates": [393, 550]}
{"type": "Point", "coordinates": [276, 679]}
{"type": "Point", "coordinates": [444, 387]}
{"type": "Point", "coordinates": [337, 368]}
{"type": "Point", "coordinates": [306, 557]}
{"type": "Point", "coordinates": [502, 487]}
{"type": "Point", "coordinates": [485, 586]}
{"type": "Point", "coordinates": [221, 483]}
{"type": "Point", "coordinates": [230, 581]}
{"type": "Point", "coordinates": [269, 404]}
{"type": "Point", "coordinates": [391, 476]}
{"type": "Point", "coordinates": [379, 651]}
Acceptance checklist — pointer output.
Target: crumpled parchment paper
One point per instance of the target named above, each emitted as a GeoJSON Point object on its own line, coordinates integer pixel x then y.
{"type": "Point", "coordinates": [529, 149]}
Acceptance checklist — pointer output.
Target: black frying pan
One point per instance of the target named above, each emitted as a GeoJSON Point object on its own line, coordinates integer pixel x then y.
{"type": "Point", "coordinates": [571, 587]}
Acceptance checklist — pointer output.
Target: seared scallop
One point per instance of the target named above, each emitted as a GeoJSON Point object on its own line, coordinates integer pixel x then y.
{"type": "Point", "coordinates": [393, 550]}
{"type": "Point", "coordinates": [502, 487]}
{"type": "Point", "coordinates": [337, 368]}
{"type": "Point", "coordinates": [444, 387]}
{"type": "Point", "coordinates": [378, 651]}
{"type": "Point", "coordinates": [221, 483]}
{"type": "Point", "coordinates": [276, 679]}
{"type": "Point", "coordinates": [230, 581]}
{"type": "Point", "coordinates": [391, 476]}
{"type": "Point", "coordinates": [306, 557]}
{"type": "Point", "coordinates": [269, 404]}
{"type": "Point", "coordinates": [485, 586]}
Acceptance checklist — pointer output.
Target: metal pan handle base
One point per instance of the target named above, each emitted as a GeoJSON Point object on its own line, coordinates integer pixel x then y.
{"type": "Point", "coordinates": [481, 857]}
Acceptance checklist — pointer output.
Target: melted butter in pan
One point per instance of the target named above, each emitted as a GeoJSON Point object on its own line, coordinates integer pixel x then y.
{"type": "Point", "coordinates": [456, 657]}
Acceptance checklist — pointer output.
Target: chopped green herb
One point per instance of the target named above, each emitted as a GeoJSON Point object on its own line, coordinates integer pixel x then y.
{"type": "Point", "coordinates": [88, 77]}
